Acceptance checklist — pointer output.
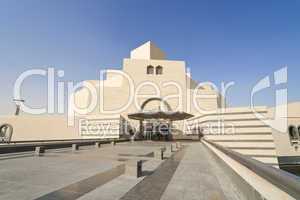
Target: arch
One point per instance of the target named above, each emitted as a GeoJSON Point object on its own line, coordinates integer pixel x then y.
{"type": "Point", "coordinates": [159, 70]}
{"type": "Point", "coordinates": [293, 133]}
{"type": "Point", "coordinates": [155, 99]}
{"type": "Point", "coordinates": [150, 69]}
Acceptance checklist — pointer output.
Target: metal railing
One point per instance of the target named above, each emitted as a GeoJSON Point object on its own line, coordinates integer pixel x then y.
{"type": "Point", "coordinates": [283, 180]}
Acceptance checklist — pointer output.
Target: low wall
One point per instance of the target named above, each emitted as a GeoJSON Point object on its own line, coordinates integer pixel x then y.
{"type": "Point", "coordinates": [41, 127]}
{"type": "Point", "coordinates": [251, 184]}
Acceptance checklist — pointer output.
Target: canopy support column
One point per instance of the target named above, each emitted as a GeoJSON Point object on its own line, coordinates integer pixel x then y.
{"type": "Point", "coordinates": [141, 127]}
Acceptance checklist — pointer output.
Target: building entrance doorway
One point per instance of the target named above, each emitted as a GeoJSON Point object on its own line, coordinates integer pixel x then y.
{"type": "Point", "coordinates": [157, 129]}
{"type": "Point", "coordinates": [156, 120]}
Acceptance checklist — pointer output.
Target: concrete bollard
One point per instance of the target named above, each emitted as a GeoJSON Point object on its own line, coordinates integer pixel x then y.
{"type": "Point", "coordinates": [132, 139]}
{"type": "Point", "coordinates": [173, 147]}
{"type": "Point", "coordinates": [159, 154]}
{"type": "Point", "coordinates": [97, 145]}
{"type": "Point", "coordinates": [113, 143]}
{"type": "Point", "coordinates": [139, 168]}
{"type": "Point", "coordinates": [75, 147]}
{"type": "Point", "coordinates": [178, 145]}
{"type": "Point", "coordinates": [134, 169]}
{"type": "Point", "coordinates": [39, 151]}
{"type": "Point", "coordinates": [168, 150]}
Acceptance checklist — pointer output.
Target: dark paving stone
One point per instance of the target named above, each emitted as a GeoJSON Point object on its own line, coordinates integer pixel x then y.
{"type": "Point", "coordinates": [134, 155]}
{"type": "Point", "coordinates": [82, 187]}
{"type": "Point", "coordinates": [153, 186]}
{"type": "Point", "coordinates": [122, 159]}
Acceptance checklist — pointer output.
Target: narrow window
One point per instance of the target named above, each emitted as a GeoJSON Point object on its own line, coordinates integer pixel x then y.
{"type": "Point", "coordinates": [159, 69]}
{"type": "Point", "coordinates": [150, 69]}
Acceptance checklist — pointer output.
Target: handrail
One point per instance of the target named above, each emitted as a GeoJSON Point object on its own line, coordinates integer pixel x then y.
{"type": "Point", "coordinates": [287, 182]}
{"type": "Point", "coordinates": [53, 144]}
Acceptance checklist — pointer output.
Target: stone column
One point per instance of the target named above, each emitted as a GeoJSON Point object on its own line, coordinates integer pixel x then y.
{"type": "Point", "coordinates": [141, 127]}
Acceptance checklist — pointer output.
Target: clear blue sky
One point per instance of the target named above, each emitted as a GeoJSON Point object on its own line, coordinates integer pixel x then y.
{"type": "Point", "coordinates": [239, 41]}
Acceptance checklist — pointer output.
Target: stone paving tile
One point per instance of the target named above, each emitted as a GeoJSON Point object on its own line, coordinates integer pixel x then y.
{"type": "Point", "coordinates": [31, 177]}
{"type": "Point", "coordinates": [115, 189]}
{"type": "Point", "coordinates": [194, 178]}
{"type": "Point", "coordinates": [82, 187]}
{"type": "Point", "coordinates": [15, 190]}
{"type": "Point", "coordinates": [153, 186]}
{"type": "Point", "coordinates": [231, 190]}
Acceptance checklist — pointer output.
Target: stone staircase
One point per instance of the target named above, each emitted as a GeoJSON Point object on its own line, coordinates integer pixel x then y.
{"type": "Point", "coordinates": [240, 130]}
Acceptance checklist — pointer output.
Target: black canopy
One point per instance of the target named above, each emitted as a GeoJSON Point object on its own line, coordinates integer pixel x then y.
{"type": "Point", "coordinates": [174, 116]}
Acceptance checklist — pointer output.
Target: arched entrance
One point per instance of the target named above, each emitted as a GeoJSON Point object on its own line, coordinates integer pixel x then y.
{"type": "Point", "coordinates": [156, 120]}
{"type": "Point", "coordinates": [156, 128]}
{"type": "Point", "coordinates": [168, 107]}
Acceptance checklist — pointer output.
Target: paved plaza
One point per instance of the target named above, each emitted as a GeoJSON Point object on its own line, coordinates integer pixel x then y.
{"type": "Point", "coordinates": [102, 173]}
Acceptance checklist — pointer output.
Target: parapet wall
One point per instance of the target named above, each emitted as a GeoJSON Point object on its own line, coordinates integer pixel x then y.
{"type": "Point", "coordinates": [40, 128]}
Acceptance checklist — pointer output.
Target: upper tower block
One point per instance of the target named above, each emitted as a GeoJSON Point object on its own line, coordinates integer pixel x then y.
{"type": "Point", "coordinates": [147, 51]}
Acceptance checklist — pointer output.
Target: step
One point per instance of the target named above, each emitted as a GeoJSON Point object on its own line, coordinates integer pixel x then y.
{"type": "Point", "coordinates": [236, 130]}
{"type": "Point", "coordinates": [228, 116]}
{"type": "Point", "coordinates": [238, 137]}
{"type": "Point", "coordinates": [257, 152]}
{"type": "Point", "coordinates": [236, 123]}
{"type": "Point", "coordinates": [228, 119]}
{"type": "Point", "coordinates": [247, 144]}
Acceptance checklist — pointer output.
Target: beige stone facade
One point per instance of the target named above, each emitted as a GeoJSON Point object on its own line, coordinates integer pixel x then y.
{"type": "Point", "coordinates": [173, 84]}
{"type": "Point", "coordinates": [148, 78]}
